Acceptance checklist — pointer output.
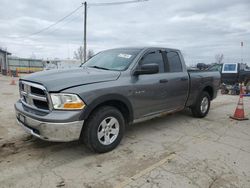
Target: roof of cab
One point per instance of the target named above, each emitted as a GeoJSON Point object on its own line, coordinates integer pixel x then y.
{"type": "Point", "coordinates": [143, 48]}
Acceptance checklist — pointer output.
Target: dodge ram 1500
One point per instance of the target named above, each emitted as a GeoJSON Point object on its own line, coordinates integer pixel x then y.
{"type": "Point", "coordinates": [113, 89]}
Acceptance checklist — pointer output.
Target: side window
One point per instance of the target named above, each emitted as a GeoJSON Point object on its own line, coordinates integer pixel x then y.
{"type": "Point", "coordinates": [154, 57]}
{"type": "Point", "coordinates": [215, 68]}
{"type": "Point", "coordinates": [174, 62]}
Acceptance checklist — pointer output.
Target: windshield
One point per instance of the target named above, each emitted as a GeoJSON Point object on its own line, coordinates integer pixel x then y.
{"type": "Point", "coordinates": [117, 59]}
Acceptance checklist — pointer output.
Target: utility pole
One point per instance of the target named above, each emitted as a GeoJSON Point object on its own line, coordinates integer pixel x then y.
{"type": "Point", "coordinates": [100, 4]}
{"type": "Point", "coordinates": [85, 32]}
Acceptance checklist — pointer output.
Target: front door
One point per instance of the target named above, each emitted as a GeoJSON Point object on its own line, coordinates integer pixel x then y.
{"type": "Point", "coordinates": [150, 90]}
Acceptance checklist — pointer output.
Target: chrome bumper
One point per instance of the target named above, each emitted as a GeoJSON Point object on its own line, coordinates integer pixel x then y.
{"type": "Point", "coordinates": [58, 132]}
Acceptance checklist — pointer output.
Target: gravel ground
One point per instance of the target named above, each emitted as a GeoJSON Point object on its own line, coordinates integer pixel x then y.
{"type": "Point", "coordinates": [172, 151]}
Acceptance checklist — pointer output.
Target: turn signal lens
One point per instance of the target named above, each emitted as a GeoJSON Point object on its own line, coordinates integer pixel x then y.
{"type": "Point", "coordinates": [74, 105]}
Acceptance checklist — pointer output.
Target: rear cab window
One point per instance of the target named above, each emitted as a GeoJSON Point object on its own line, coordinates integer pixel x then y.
{"type": "Point", "coordinates": [230, 68]}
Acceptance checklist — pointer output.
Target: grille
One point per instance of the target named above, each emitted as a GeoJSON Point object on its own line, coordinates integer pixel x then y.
{"type": "Point", "coordinates": [34, 95]}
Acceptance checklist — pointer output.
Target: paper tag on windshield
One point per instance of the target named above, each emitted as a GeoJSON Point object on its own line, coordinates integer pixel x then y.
{"type": "Point", "coordinates": [127, 56]}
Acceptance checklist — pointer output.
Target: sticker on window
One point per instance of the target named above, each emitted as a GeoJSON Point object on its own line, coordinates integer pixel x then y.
{"type": "Point", "coordinates": [127, 56]}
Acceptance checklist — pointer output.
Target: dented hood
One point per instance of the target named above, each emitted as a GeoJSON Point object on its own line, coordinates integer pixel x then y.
{"type": "Point", "coordinates": [57, 80]}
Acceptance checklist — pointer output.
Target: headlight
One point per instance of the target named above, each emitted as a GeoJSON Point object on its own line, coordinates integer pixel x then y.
{"type": "Point", "coordinates": [65, 101]}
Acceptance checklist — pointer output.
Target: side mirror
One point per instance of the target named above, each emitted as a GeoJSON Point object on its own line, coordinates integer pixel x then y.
{"type": "Point", "coordinates": [147, 69]}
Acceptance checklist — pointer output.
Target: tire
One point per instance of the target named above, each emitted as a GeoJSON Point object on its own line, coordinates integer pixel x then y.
{"type": "Point", "coordinates": [104, 129]}
{"type": "Point", "coordinates": [199, 111]}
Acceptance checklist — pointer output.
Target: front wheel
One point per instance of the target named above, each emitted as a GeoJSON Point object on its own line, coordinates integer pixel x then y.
{"type": "Point", "coordinates": [202, 105]}
{"type": "Point", "coordinates": [104, 129]}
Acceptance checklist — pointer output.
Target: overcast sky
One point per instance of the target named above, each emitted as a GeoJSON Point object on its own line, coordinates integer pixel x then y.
{"type": "Point", "coordinates": [200, 28]}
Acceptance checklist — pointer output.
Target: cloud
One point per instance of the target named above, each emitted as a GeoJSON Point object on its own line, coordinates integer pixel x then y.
{"type": "Point", "coordinates": [200, 29]}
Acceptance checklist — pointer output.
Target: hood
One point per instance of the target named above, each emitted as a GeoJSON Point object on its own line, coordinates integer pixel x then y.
{"type": "Point", "coordinates": [57, 80]}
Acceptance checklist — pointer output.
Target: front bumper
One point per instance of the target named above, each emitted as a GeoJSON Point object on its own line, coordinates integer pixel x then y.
{"type": "Point", "coordinates": [61, 131]}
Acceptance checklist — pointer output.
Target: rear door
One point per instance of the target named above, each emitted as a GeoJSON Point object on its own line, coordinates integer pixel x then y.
{"type": "Point", "coordinates": [178, 80]}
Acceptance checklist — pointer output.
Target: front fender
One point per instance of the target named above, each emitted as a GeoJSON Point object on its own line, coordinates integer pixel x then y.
{"type": "Point", "coordinates": [106, 98]}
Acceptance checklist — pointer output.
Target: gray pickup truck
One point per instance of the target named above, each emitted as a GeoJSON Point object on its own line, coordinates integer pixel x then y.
{"type": "Point", "coordinates": [113, 89]}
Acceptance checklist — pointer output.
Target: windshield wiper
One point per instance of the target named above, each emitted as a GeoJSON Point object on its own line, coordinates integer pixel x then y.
{"type": "Point", "coordinates": [97, 67]}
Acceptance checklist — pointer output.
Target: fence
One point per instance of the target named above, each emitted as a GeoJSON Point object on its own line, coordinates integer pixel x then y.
{"type": "Point", "coordinates": [23, 65]}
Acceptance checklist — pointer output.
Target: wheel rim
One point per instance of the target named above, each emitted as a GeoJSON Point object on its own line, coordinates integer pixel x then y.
{"type": "Point", "coordinates": [108, 130]}
{"type": "Point", "coordinates": [204, 105]}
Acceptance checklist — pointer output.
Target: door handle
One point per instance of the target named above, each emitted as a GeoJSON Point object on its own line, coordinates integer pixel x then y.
{"type": "Point", "coordinates": [184, 79]}
{"type": "Point", "coordinates": [163, 81]}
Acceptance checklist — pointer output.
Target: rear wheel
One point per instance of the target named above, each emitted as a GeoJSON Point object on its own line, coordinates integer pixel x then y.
{"type": "Point", "coordinates": [104, 129]}
{"type": "Point", "coordinates": [202, 105]}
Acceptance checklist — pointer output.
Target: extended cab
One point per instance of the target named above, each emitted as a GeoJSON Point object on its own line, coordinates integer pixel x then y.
{"type": "Point", "coordinates": [113, 89]}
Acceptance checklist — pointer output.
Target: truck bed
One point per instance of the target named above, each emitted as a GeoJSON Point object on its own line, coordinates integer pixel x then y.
{"type": "Point", "coordinates": [197, 81]}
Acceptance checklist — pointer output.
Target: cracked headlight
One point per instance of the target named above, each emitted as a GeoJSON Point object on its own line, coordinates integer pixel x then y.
{"type": "Point", "coordinates": [65, 101]}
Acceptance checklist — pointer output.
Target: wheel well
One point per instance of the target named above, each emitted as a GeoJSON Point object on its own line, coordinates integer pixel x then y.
{"type": "Point", "coordinates": [210, 91]}
{"type": "Point", "coordinates": [122, 107]}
